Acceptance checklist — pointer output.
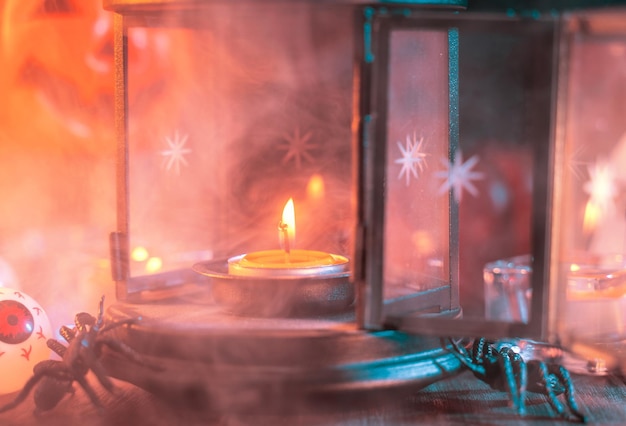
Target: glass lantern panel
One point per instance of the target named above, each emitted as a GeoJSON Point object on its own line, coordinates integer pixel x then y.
{"type": "Point", "coordinates": [416, 243]}
{"type": "Point", "coordinates": [240, 115]}
{"type": "Point", "coordinates": [172, 160]}
{"type": "Point", "coordinates": [590, 232]}
{"type": "Point", "coordinates": [467, 142]}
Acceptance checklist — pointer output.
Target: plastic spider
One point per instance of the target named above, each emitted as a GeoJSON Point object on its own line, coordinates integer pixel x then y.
{"type": "Point", "coordinates": [502, 368]}
{"type": "Point", "coordinates": [85, 342]}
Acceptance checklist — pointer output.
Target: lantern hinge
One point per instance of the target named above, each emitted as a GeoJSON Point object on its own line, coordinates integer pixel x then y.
{"type": "Point", "coordinates": [118, 245]}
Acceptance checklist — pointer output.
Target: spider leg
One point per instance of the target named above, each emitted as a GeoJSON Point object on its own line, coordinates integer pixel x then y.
{"type": "Point", "coordinates": [51, 390]}
{"type": "Point", "coordinates": [563, 375]}
{"type": "Point", "coordinates": [100, 319]}
{"type": "Point", "coordinates": [23, 393]}
{"type": "Point", "coordinates": [101, 375]}
{"type": "Point", "coordinates": [57, 347]}
{"type": "Point", "coordinates": [118, 324]}
{"type": "Point", "coordinates": [99, 371]}
{"type": "Point", "coordinates": [544, 378]}
{"type": "Point", "coordinates": [82, 381]}
{"type": "Point", "coordinates": [520, 371]}
{"type": "Point", "coordinates": [480, 349]}
{"type": "Point", "coordinates": [463, 356]}
{"type": "Point", "coordinates": [126, 351]}
{"type": "Point", "coordinates": [456, 347]}
{"type": "Point", "coordinates": [510, 383]}
{"type": "Point", "coordinates": [41, 370]}
{"type": "Point", "coordinates": [67, 333]}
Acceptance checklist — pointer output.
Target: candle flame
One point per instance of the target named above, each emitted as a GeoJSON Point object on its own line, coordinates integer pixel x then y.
{"type": "Point", "coordinates": [287, 231]}
{"type": "Point", "coordinates": [592, 214]}
{"type": "Point", "coordinates": [602, 189]}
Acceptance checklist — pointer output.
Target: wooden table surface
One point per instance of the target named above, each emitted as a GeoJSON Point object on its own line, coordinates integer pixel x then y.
{"type": "Point", "coordinates": [457, 400]}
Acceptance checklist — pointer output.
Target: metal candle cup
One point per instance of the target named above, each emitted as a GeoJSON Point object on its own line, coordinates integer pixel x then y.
{"type": "Point", "coordinates": [278, 263]}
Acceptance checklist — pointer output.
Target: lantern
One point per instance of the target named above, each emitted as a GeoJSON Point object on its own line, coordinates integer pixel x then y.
{"type": "Point", "coordinates": [238, 207]}
{"type": "Point", "coordinates": [452, 167]}
{"type": "Point", "coordinates": [327, 185]}
{"type": "Point", "coordinates": [587, 250]}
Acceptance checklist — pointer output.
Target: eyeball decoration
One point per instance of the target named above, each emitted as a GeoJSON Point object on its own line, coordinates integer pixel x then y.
{"type": "Point", "coordinates": [24, 331]}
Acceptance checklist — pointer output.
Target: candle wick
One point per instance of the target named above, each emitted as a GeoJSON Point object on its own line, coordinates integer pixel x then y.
{"type": "Point", "coordinates": [283, 228]}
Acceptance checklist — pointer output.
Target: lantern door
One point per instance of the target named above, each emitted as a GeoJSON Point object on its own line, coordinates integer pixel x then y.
{"type": "Point", "coordinates": [454, 159]}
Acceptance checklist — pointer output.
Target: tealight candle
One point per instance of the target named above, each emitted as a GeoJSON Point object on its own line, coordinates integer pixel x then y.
{"type": "Point", "coordinates": [287, 262]}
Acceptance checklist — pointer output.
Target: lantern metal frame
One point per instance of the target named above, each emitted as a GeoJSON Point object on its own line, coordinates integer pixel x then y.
{"type": "Point", "coordinates": [378, 25]}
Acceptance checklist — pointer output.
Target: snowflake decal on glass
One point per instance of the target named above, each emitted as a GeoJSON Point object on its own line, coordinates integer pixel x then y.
{"type": "Point", "coordinates": [601, 186]}
{"type": "Point", "coordinates": [412, 158]}
{"type": "Point", "coordinates": [174, 156]}
{"type": "Point", "coordinates": [576, 165]}
{"type": "Point", "coordinates": [459, 176]}
{"type": "Point", "coordinates": [298, 147]}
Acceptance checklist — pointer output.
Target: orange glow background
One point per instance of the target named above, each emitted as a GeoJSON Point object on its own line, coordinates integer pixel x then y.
{"type": "Point", "coordinates": [57, 165]}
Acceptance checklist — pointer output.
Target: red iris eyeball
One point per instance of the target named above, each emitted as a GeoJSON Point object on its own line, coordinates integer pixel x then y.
{"type": "Point", "coordinates": [16, 322]}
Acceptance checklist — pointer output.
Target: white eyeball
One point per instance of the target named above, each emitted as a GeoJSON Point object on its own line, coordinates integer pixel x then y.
{"type": "Point", "coordinates": [24, 330]}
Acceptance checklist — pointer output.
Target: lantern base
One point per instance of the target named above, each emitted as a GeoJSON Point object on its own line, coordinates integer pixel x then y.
{"type": "Point", "coordinates": [216, 363]}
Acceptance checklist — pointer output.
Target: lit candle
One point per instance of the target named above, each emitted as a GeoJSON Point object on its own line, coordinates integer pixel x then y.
{"type": "Point", "coordinates": [287, 228]}
{"type": "Point", "coordinates": [287, 261]}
